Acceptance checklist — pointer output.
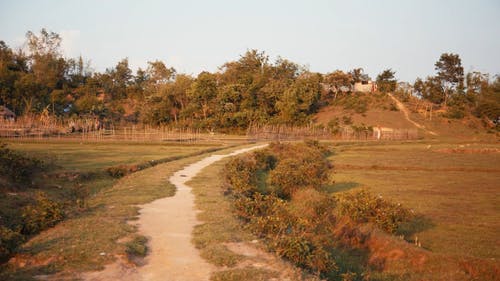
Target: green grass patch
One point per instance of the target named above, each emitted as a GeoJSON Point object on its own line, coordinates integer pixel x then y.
{"type": "Point", "coordinates": [92, 237]}
{"type": "Point", "coordinates": [219, 225]}
{"type": "Point", "coordinates": [451, 184]}
{"type": "Point", "coordinates": [244, 274]}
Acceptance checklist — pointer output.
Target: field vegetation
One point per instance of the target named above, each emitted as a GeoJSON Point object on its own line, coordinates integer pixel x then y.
{"type": "Point", "coordinates": [452, 184]}
{"type": "Point", "coordinates": [83, 207]}
{"type": "Point", "coordinates": [344, 231]}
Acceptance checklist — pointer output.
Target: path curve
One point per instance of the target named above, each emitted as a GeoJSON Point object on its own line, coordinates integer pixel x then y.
{"type": "Point", "coordinates": [405, 111]}
{"type": "Point", "coordinates": [168, 223]}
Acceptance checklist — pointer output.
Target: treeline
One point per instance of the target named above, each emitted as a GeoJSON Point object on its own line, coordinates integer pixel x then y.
{"type": "Point", "coordinates": [250, 90]}
{"type": "Point", "coordinates": [461, 93]}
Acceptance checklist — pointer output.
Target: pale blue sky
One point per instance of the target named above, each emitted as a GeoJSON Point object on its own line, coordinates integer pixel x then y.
{"type": "Point", "coordinates": [407, 36]}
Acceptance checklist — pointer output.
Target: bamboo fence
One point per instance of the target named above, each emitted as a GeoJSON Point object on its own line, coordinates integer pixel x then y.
{"type": "Point", "coordinates": [293, 133]}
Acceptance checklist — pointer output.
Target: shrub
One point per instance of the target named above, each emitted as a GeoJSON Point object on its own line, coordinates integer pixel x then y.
{"type": "Point", "coordinates": [9, 240]}
{"type": "Point", "coordinates": [300, 166]}
{"type": "Point", "coordinates": [347, 120]}
{"type": "Point", "coordinates": [118, 171]}
{"type": "Point", "coordinates": [137, 247]}
{"type": "Point", "coordinates": [362, 206]}
{"type": "Point", "coordinates": [16, 166]}
{"type": "Point", "coordinates": [44, 213]}
{"type": "Point", "coordinates": [334, 126]}
{"type": "Point", "coordinates": [455, 112]}
{"type": "Point", "coordinates": [241, 174]}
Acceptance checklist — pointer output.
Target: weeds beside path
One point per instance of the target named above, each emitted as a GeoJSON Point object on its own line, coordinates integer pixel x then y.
{"type": "Point", "coordinates": [168, 224]}
{"type": "Point", "coordinates": [98, 236]}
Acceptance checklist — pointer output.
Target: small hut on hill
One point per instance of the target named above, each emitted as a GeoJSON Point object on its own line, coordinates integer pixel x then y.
{"type": "Point", "coordinates": [7, 114]}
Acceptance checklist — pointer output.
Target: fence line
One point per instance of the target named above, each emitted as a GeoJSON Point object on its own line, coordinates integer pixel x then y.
{"type": "Point", "coordinates": [91, 130]}
{"type": "Point", "coordinates": [285, 133]}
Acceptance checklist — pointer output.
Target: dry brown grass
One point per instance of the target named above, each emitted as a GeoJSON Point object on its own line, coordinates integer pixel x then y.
{"type": "Point", "coordinates": [455, 192]}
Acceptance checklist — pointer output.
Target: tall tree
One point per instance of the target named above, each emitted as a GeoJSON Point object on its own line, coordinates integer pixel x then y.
{"type": "Point", "coordinates": [159, 73]}
{"type": "Point", "coordinates": [450, 73]}
{"type": "Point", "coordinates": [358, 75]}
{"type": "Point", "coordinates": [386, 81]}
{"type": "Point", "coordinates": [202, 94]}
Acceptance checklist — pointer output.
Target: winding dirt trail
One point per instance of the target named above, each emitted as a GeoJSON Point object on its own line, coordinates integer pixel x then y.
{"type": "Point", "coordinates": [169, 223]}
{"type": "Point", "coordinates": [405, 111]}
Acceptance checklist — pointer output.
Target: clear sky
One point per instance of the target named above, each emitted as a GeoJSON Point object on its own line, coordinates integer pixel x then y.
{"type": "Point", "coordinates": [407, 36]}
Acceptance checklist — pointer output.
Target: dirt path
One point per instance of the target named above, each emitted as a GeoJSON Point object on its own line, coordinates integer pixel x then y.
{"type": "Point", "coordinates": [405, 111]}
{"type": "Point", "coordinates": [169, 223]}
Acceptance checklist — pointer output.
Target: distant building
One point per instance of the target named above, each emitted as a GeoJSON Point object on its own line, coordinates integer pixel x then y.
{"type": "Point", "coordinates": [7, 114]}
{"type": "Point", "coordinates": [328, 88]}
{"type": "Point", "coordinates": [366, 86]}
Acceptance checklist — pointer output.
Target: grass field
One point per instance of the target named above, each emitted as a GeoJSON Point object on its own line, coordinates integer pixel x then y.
{"type": "Point", "coordinates": [91, 156]}
{"type": "Point", "coordinates": [455, 186]}
{"type": "Point", "coordinates": [91, 237]}
{"type": "Point", "coordinates": [452, 187]}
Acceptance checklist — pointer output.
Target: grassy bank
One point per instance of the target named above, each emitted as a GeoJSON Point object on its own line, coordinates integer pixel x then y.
{"type": "Point", "coordinates": [97, 234]}
{"type": "Point", "coordinates": [222, 239]}
{"type": "Point", "coordinates": [455, 185]}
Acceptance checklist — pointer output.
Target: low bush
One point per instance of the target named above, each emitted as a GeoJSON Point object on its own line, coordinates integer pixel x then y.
{"type": "Point", "coordinates": [16, 166]}
{"type": "Point", "coordinates": [362, 206]}
{"type": "Point", "coordinates": [118, 171]}
{"type": "Point", "coordinates": [9, 240]}
{"type": "Point", "coordinates": [241, 175]}
{"type": "Point", "coordinates": [289, 230]}
{"type": "Point", "coordinates": [137, 247]}
{"type": "Point", "coordinates": [292, 174]}
{"type": "Point", "coordinates": [296, 219]}
{"type": "Point", "coordinates": [44, 213]}
{"type": "Point", "coordinates": [455, 112]}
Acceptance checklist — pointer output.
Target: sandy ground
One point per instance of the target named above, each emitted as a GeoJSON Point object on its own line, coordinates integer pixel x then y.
{"type": "Point", "coordinates": [168, 223]}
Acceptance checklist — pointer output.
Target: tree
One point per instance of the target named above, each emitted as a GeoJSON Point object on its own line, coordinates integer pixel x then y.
{"type": "Point", "coordinates": [358, 75]}
{"type": "Point", "coordinates": [450, 74]}
{"type": "Point", "coordinates": [47, 43]}
{"type": "Point", "coordinates": [78, 71]}
{"type": "Point", "coordinates": [117, 80]}
{"type": "Point", "coordinates": [386, 81]}
{"type": "Point", "coordinates": [202, 93]}
{"type": "Point", "coordinates": [476, 82]}
{"type": "Point", "coordinates": [158, 73]}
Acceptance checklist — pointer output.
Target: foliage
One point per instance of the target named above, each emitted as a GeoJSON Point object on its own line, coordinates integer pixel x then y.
{"type": "Point", "coordinates": [249, 90]}
{"type": "Point", "coordinates": [450, 71]}
{"type": "Point", "coordinates": [44, 213]}
{"type": "Point", "coordinates": [9, 240]}
{"type": "Point", "coordinates": [241, 174]}
{"type": "Point", "coordinates": [137, 247]}
{"type": "Point", "coordinates": [16, 166]}
{"type": "Point", "coordinates": [386, 81]}
{"type": "Point", "coordinates": [269, 215]}
{"type": "Point", "coordinates": [362, 206]}
{"type": "Point", "coordinates": [295, 217]}
{"type": "Point", "coordinates": [291, 174]}
{"type": "Point", "coordinates": [118, 171]}
{"type": "Point", "coordinates": [479, 96]}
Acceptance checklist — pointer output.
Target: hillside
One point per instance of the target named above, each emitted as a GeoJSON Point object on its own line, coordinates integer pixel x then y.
{"type": "Point", "coordinates": [380, 110]}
